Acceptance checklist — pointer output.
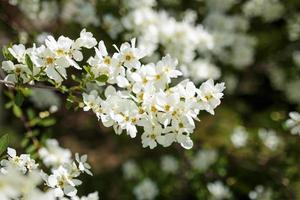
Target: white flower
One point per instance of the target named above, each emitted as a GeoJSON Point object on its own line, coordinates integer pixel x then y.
{"type": "Point", "coordinates": [23, 162]}
{"type": "Point", "coordinates": [62, 183]}
{"type": "Point", "coordinates": [130, 55]}
{"type": "Point", "coordinates": [269, 138]}
{"type": "Point", "coordinates": [82, 164]}
{"type": "Point", "coordinates": [16, 72]}
{"type": "Point", "coordinates": [20, 177]}
{"type": "Point", "coordinates": [239, 136]}
{"type": "Point", "coordinates": [204, 159]}
{"type": "Point", "coordinates": [294, 27]}
{"type": "Point", "coordinates": [169, 164]}
{"type": "Point", "coordinates": [130, 169]}
{"type": "Point", "coordinates": [218, 190]}
{"type": "Point", "coordinates": [261, 193]}
{"type": "Point", "coordinates": [80, 11]}
{"type": "Point", "coordinates": [201, 70]}
{"type": "Point", "coordinates": [210, 95]}
{"type": "Point", "coordinates": [294, 123]}
{"type": "Point", "coordinates": [85, 40]}
{"type": "Point", "coordinates": [92, 101]}
{"type": "Point", "coordinates": [146, 190]}
{"type": "Point", "coordinates": [269, 10]}
{"type": "Point", "coordinates": [112, 25]}
{"type": "Point", "coordinates": [18, 51]}
{"type": "Point", "coordinates": [91, 196]}
{"type": "Point", "coordinates": [53, 155]}
{"type": "Point", "coordinates": [165, 69]}
{"type": "Point", "coordinates": [153, 135]}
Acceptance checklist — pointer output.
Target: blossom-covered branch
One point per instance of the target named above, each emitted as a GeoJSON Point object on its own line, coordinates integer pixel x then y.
{"type": "Point", "coordinates": [21, 176]}
{"type": "Point", "coordinates": [121, 90]}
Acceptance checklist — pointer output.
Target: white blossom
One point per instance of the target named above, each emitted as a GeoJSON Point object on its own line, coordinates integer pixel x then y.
{"type": "Point", "coordinates": [53, 155]}
{"type": "Point", "coordinates": [218, 190]}
{"type": "Point", "coordinates": [130, 169]}
{"type": "Point", "coordinates": [169, 164]}
{"type": "Point", "coordinates": [294, 123]}
{"type": "Point", "coordinates": [145, 190]}
{"type": "Point", "coordinates": [239, 136]}
{"type": "Point", "coordinates": [204, 159]}
{"type": "Point", "coordinates": [269, 138]}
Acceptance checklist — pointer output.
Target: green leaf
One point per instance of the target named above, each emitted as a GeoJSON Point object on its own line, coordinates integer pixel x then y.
{"type": "Point", "coordinates": [25, 142]}
{"type": "Point", "coordinates": [4, 141]}
{"type": "Point", "coordinates": [31, 114]}
{"type": "Point", "coordinates": [87, 68]}
{"type": "Point", "coordinates": [69, 105]}
{"type": "Point", "coordinates": [17, 111]}
{"type": "Point", "coordinates": [47, 122]}
{"type": "Point", "coordinates": [19, 98]}
{"type": "Point", "coordinates": [9, 104]}
{"type": "Point", "coordinates": [102, 78]}
{"type": "Point", "coordinates": [31, 149]}
{"type": "Point", "coordinates": [6, 54]}
{"type": "Point", "coordinates": [29, 62]}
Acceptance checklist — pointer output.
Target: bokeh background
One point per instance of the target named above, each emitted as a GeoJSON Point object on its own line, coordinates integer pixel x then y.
{"type": "Point", "coordinates": [244, 151]}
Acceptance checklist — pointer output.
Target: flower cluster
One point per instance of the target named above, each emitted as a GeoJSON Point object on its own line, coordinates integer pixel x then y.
{"type": "Point", "coordinates": [21, 176]}
{"type": "Point", "coordinates": [218, 190]}
{"type": "Point", "coordinates": [269, 138]}
{"type": "Point", "coordinates": [135, 94]}
{"type": "Point", "coordinates": [204, 159]}
{"type": "Point", "coordinates": [147, 100]}
{"type": "Point", "coordinates": [181, 39]}
{"type": "Point", "coordinates": [40, 12]}
{"type": "Point", "coordinates": [23, 162]}
{"type": "Point", "coordinates": [239, 136]}
{"type": "Point", "coordinates": [146, 190]}
{"type": "Point", "coordinates": [294, 123]}
{"type": "Point", "coordinates": [43, 13]}
{"type": "Point", "coordinates": [293, 27]}
{"type": "Point", "coordinates": [233, 45]}
{"type": "Point", "coordinates": [268, 10]}
{"type": "Point", "coordinates": [50, 60]}
{"type": "Point", "coordinates": [80, 11]}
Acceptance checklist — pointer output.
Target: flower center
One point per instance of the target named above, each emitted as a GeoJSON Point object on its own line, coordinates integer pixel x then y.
{"type": "Point", "coordinates": [60, 52]}
{"type": "Point", "coordinates": [167, 107]}
{"type": "Point", "coordinates": [180, 125]}
{"type": "Point", "coordinates": [107, 60]}
{"type": "Point", "coordinates": [153, 109]}
{"type": "Point", "coordinates": [49, 60]}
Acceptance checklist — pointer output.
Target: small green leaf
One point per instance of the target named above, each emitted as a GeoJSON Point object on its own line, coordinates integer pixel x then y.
{"type": "Point", "coordinates": [25, 142]}
{"type": "Point", "coordinates": [102, 78]}
{"type": "Point", "coordinates": [29, 62]}
{"type": "Point", "coordinates": [6, 54]}
{"type": "Point", "coordinates": [87, 68]}
{"type": "Point", "coordinates": [19, 98]}
{"type": "Point", "coordinates": [69, 105]}
{"type": "Point", "coordinates": [9, 104]}
{"type": "Point", "coordinates": [31, 149]}
{"type": "Point", "coordinates": [4, 141]}
{"type": "Point", "coordinates": [47, 122]}
{"type": "Point", "coordinates": [17, 111]}
{"type": "Point", "coordinates": [30, 113]}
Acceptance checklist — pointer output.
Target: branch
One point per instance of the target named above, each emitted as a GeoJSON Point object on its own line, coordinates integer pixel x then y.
{"type": "Point", "coordinates": [12, 85]}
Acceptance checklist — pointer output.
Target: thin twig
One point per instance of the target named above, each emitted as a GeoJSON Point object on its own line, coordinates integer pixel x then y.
{"type": "Point", "coordinates": [12, 85]}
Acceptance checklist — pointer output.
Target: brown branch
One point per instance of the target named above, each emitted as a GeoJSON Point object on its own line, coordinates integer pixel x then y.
{"type": "Point", "coordinates": [12, 85]}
